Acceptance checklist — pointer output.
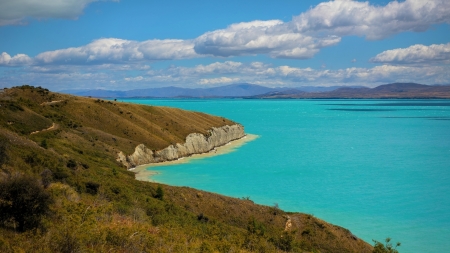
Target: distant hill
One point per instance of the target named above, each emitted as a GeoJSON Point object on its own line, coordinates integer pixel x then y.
{"type": "Point", "coordinates": [233, 90]}
{"type": "Point", "coordinates": [394, 90]}
{"type": "Point", "coordinates": [245, 90]}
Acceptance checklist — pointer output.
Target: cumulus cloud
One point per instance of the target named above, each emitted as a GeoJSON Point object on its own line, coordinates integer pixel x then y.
{"type": "Point", "coordinates": [261, 37]}
{"type": "Point", "coordinates": [275, 76]}
{"type": "Point", "coordinates": [293, 77]}
{"type": "Point", "coordinates": [17, 60]}
{"type": "Point", "coordinates": [111, 50]}
{"type": "Point", "coordinates": [14, 12]}
{"type": "Point", "coordinates": [322, 26]}
{"type": "Point", "coordinates": [416, 54]}
{"type": "Point", "coordinates": [58, 77]}
{"type": "Point", "coordinates": [347, 17]}
{"type": "Point", "coordinates": [301, 38]}
{"type": "Point", "coordinates": [227, 67]}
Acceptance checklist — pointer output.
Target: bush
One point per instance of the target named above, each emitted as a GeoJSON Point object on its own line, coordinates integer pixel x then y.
{"type": "Point", "coordinates": [92, 187]}
{"type": "Point", "coordinates": [387, 248]}
{"type": "Point", "coordinates": [44, 144]}
{"type": "Point", "coordinates": [71, 164]}
{"type": "Point", "coordinates": [159, 193]}
{"type": "Point", "coordinates": [23, 202]}
{"type": "Point", "coordinates": [60, 174]}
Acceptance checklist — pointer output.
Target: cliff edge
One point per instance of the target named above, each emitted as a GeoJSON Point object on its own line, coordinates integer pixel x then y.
{"type": "Point", "coordinates": [196, 143]}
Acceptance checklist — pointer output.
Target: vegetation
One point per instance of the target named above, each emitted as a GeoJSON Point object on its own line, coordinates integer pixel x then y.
{"type": "Point", "coordinates": [385, 248]}
{"type": "Point", "coordinates": [74, 196]}
{"type": "Point", "coordinates": [23, 202]}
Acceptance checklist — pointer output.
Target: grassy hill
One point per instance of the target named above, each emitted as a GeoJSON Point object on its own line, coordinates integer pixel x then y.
{"type": "Point", "coordinates": [64, 148]}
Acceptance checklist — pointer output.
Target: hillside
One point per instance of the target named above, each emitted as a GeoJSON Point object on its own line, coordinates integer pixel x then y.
{"type": "Point", "coordinates": [69, 145]}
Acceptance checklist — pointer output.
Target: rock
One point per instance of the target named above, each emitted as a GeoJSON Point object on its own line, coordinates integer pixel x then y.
{"type": "Point", "coordinates": [195, 143]}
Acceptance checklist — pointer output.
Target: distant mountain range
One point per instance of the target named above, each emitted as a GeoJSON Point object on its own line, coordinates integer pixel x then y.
{"type": "Point", "coordinates": [236, 90]}
{"type": "Point", "coordinates": [393, 90]}
{"type": "Point", "coordinates": [245, 90]}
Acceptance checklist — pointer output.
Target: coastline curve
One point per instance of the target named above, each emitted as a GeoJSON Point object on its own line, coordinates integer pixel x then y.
{"type": "Point", "coordinates": [195, 143]}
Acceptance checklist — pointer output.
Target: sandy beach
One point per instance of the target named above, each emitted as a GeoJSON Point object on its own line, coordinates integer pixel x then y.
{"type": "Point", "coordinates": [144, 172]}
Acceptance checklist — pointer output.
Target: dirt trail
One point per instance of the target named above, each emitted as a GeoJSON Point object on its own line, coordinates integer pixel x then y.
{"type": "Point", "coordinates": [53, 127]}
{"type": "Point", "coordinates": [52, 102]}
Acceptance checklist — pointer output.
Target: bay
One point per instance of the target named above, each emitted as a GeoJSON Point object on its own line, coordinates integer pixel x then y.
{"type": "Point", "coordinates": [380, 168]}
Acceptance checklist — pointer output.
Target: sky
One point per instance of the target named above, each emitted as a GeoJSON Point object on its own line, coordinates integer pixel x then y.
{"type": "Point", "coordinates": [134, 44]}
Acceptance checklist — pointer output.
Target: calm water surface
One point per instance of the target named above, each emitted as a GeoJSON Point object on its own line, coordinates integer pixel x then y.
{"type": "Point", "coordinates": [380, 168]}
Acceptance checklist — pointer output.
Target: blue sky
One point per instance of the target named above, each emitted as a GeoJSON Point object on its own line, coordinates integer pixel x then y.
{"type": "Point", "coordinates": [131, 44]}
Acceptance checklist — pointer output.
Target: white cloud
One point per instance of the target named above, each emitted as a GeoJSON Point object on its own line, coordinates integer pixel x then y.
{"type": "Point", "coordinates": [322, 26]}
{"type": "Point", "coordinates": [134, 79]}
{"type": "Point", "coordinates": [364, 76]}
{"type": "Point", "coordinates": [303, 37]}
{"type": "Point", "coordinates": [219, 80]}
{"type": "Point", "coordinates": [261, 37]}
{"type": "Point", "coordinates": [111, 50]}
{"type": "Point", "coordinates": [416, 54]}
{"type": "Point", "coordinates": [15, 11]}
{"type": "Point", "coordinates": [219, 73]}
{"type": "Point", "coordinates": [346, 17]}
{"type": "Point", "coordinates": [17, 60]}
{"type": "Point", "coordinates": [227, 67]}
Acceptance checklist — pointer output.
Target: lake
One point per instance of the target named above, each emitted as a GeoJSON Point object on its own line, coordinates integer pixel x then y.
{"type": "Point", "coordinates": [380, 168]}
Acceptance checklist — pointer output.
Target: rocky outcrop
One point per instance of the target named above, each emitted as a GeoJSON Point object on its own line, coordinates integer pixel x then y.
{"type": "Point", "coordinates": [195, 143]}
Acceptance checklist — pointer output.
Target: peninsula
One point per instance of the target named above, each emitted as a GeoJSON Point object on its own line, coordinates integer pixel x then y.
{"type": "Point", "coordinates": [65, 184]}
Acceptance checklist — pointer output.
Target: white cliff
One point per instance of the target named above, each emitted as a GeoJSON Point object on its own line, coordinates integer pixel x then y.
{"type": "Point", "coordinates": [195, 144]}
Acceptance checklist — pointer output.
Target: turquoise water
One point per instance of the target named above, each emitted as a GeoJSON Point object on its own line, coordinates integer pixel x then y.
{"type": "Point", "coordinates": [380, 168]}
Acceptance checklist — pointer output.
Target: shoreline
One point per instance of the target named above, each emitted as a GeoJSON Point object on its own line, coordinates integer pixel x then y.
{"type": "Point", "coordinates": [144, 172]}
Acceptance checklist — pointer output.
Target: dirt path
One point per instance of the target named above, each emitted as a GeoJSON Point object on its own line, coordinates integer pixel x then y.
{"type": "Point", "coordinates": [53, 127]}
{"type": "Point", "coordinates": [52, 102]}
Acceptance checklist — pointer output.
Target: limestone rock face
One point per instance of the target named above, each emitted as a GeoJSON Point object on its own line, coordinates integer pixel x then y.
{"type": "Point", "coordinates": [195, 144]}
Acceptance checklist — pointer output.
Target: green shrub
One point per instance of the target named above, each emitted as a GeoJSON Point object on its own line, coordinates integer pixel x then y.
{"type": "Point", "coordinates": [23, 202]}
{"type": "Point", "coordinates": [44, 143]}
{"type": "Point", "coordinates": [385, 248]}
{"type": "Point", "coordinates": [159, 193]}
{"type": "Point", "coordinates": [60, 174]}
{"type": "Point", "coordinates": [66, 241]}
{"type": "Point", "coordinates": [92, 187]}
{"type": "Point", "coordinates": [71, 164]}
{"type": "Point", "coordinates": [286, 241]}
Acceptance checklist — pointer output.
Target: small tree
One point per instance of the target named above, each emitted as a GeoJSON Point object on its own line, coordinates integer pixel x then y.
{"type": "Point", "coordinates": [44, 143]}
{"type": "Point", "coordinates": [159, 193]}
{"type": "Point", "coordinates": [23, 201]}
{"type": "Point", "coordinates": [387, 248]}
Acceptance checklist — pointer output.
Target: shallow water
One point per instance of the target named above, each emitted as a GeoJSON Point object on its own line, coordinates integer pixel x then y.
{"type": "Point", "coordinates": [380, 168]}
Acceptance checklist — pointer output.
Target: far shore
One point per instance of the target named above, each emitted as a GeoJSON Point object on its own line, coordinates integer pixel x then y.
{"type": "Point", "coordinates": [144, 172]}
